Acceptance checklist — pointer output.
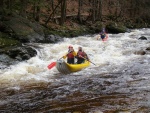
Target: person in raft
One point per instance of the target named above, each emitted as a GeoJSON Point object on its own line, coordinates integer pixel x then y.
{"type": "Point", "coordinates": [70, 55]}
{"type": "Point", "coordinates": [102, 35]}
{"type": "Point", "coordinates": [81, 56]}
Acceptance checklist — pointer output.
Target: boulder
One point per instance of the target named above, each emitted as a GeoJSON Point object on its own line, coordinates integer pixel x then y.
{"type": "Point", "coordinates": [22, 29]}
{"type": "Point", "coordinates": [13, 55]}
{"type": "Point", "coordinates": [116, 28]}
{"type": "Point", "coordinates": [142, 38]}
{"type": "Point", "coordinates": [53, 39]}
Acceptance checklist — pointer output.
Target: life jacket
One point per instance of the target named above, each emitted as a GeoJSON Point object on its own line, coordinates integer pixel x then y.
{"type": "Point", "coordinates": [103, 35]}
{"type": "Point", "coordinates": [70, 55]}
{"type": "Point", "coordinates": [80, 53]}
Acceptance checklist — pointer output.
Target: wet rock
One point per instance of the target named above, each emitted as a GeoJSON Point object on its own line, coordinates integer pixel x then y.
{"type": "Point", "coordinates": [23, 29]}
{"type": "Point", "coordinates": [97, 27]}
{"type": "Point", "coordinates": [135, 73]}
{"type": "Point", "coordinates": [53, 39]}
{"type": "Point", "coordinates": [141, 52]}
{"type": "Point", "coordinates": [116, 28]}
{"type": "Point", "coordinates": [148, 49]}
{"type": "Point", "coordinates": [21, 53]}
{"type": "Point", "coordinates": [142, 38]}
{"type": "Point", "coordinates": [13, 55]}
{"type": "Point", "coordinates": [5, 60]}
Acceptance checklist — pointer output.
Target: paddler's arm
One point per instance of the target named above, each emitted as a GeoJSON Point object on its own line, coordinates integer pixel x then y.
{"type": "Point", "coordinates": [86, 57]}
{"type": "Point", "coordinates": [98, 37]}
{"type": "Point", "coordinates": [65, 56]}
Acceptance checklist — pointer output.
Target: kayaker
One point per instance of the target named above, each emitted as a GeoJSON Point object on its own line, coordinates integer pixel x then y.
{"type": "Point", "coordinates": [70, 55]}
{"type": "Point", "coordinates": [81, 56]}
{"type": "Point", "coordinates": [102, 35]}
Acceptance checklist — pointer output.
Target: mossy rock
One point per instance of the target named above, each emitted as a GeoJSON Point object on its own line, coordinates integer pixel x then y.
{"type": "Point", "coordinates": [97, 27]}
{"type": "Point", "coordinates": [23, 29]}
{"type": "Point", "coordinates": [5, 41]}
{"type": "Point", "coordinates": [116, 28]}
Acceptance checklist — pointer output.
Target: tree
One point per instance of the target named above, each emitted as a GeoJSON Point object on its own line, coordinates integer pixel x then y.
{"type": "Point", "coordinates": [53, 12]}
{"type": "Point", "coordinates": [1, 6]}
{"type": "Point", "coordinates": [23, 7]}
{"type": "Point", "coordinates": [99, 11]}
{"type": "Point", "coordinates": [37, 9]}
{"type": "Point", "coordinates": [79, 10]}
{"type": "Point", "coordinates": [93, 10]}
{"type": "Point", "coordinates": [63, 12]}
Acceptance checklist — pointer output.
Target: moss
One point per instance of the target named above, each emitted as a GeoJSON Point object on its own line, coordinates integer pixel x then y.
{"type": "Point", "coordinates": [5, 41]}
{"type": "Point", "coordinates": [64, 32]}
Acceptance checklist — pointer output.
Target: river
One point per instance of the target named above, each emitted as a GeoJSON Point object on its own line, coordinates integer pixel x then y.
{"type": "Point", "coordinates": [119, 83]}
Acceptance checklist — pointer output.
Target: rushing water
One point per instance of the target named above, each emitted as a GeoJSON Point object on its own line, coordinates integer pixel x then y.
{"type": "Point", "coordinates": [119, 83]}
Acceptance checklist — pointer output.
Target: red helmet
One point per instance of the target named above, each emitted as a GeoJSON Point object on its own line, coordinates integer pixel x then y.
{"type": "Point", "coordinates": [70, 47]}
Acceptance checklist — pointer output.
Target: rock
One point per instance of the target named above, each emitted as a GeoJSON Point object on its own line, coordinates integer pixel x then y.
{"type": "Point", "coordinates": [141, 52]}
{"type": "Point", "coordinates": [148, 49]}
{"type": "Point", "coordinates": [5, 41]}
{"type": "Point", "coordinates": [13, 55]}
{"type": "Point", "coordinates": [116, 28]}
{"type": "Point", "coordinates": [5, 59]}
{"type": "Point", "coordinates": [53, 39]}
{"type": "Point", "coordinates": [142, 38]}
{"type": "Point", "coordinates": [23, 29]}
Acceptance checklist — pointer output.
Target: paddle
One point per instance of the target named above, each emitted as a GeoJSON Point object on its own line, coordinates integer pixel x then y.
{"type": "Point", "coordinates": [51, 65]}
{"type": "Point", "coordinates": [87, 60]}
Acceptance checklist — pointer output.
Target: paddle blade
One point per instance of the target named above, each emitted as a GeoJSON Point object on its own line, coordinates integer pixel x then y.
{"type": "Point", "coordinates": [51, 65]}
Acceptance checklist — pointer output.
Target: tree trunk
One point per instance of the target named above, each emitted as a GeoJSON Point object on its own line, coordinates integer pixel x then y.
{"type": "Point", "coordinates": [1, 6]}
{"type": "Point", "coordinates": [23, 7]}
{"type": "Point", "coordinates": [52, 5]}
{"type": "Point", "coordinates": [38, 9]}
{"type": "Point", "coordinates": [52, 13]}
{"type": "Point", "coordinates": [79, 10]}
{"type": "Point", "coordinates": [99, 14]}
{"type": "Point", "coordinates": [63, 12]}
{"type": "Point", "coordinates": [93, 10]}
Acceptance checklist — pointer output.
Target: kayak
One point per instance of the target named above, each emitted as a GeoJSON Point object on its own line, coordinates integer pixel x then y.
{"type": "Point", "coordinates": [66, 68]}
{"type": "Point", "coordinates": [106, 37]}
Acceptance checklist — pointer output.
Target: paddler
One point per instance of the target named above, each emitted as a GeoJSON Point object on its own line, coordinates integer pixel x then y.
{"type": "Point", "coordinates": [70, 55]}
{"type": "Point", "coordinates": [102, 35]}
{"type": "Point", "coordinates": [81, 56]}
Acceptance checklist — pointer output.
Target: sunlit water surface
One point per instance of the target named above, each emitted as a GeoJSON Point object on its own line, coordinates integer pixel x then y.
{"type": "Point", "coordinates": [120, 81]}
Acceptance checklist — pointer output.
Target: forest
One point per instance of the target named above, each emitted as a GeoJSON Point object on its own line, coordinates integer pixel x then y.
{"type": "Point", "coordinates": [61, 12]}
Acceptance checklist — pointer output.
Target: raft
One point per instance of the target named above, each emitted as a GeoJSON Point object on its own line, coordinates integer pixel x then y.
{"type": "Point", "coordinates": [66, 68]}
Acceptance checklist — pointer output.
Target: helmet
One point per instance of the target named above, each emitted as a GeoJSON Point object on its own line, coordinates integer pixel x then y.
{"type": "Point", "coordinates": [70, 47]}
{"type": "Point", "coordinates": [80, 48]}
{"type": "Point", "coordinates": [103, 29]}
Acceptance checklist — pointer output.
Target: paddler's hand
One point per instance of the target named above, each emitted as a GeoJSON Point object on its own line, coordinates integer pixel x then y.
{"type": "Point", "coordinates": [70, 51]}
{"type": "Point", "coordinates": [64, 57]}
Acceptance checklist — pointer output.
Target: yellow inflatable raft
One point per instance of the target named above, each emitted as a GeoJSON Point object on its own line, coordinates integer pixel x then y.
{"type": "Point", "coordinates": [66, 68]}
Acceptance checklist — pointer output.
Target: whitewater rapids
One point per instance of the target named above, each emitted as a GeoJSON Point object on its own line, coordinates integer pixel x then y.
{"type": "Point", "coordinates": [120, 75]}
